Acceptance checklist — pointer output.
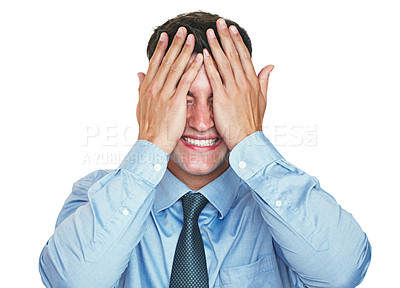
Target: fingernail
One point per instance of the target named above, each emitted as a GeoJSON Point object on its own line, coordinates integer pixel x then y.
{"type": "Point", "coordinates": [198, 57]}
{"type": "Point", "coordinates": [189, 39]}
{"type": "Point", "coordinates": [222, 24]}
{"type": "Point", "coordinates": [180, 32]}
{"type": "Point", "coordinates": [206, 53]}
{"type": "Point", "coordinates": [162, 36]}
{"type": "Point", "coordinates": [233, 29]}
{"type": "Point", "coordinates": [211, 33]}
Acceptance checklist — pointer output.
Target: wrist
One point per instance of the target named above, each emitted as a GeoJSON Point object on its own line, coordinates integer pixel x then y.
{"type": "Point", "coordinates": [166, 146]}
{"type": "Point", "coordinates": [239, 137]}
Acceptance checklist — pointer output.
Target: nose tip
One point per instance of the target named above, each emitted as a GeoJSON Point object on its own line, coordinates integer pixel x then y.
{"type": "Point", "coordinates": [201, 119]}
{"type": "Point", "coordinates": [204, 125]}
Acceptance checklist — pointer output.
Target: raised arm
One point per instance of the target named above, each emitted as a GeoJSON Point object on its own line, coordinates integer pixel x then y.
{"type": "Point", "coordinates": [320, 243]}
{"type": "Point", "coordinates": [105, 216]}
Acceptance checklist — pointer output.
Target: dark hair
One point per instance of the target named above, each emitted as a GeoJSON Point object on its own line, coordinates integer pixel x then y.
{"type": "Point", "coordinates": [196, 23]}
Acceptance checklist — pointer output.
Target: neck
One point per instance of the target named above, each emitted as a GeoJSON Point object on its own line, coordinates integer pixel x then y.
{"type": "Point", "coordinates": [196, 182]}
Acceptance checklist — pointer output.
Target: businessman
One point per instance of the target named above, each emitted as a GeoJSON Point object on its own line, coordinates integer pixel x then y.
{"type": "Point", "coordinates": [203, 199]}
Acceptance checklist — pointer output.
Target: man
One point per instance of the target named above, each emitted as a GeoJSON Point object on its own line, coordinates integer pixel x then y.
{"type": "Point", "coordinates": [262, 221]}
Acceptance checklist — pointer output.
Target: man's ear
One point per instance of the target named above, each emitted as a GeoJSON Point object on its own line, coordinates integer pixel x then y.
{"type": "Point", "coordinates": [263, 79]}
{"type": "Point", "coordinates": [141, 76]}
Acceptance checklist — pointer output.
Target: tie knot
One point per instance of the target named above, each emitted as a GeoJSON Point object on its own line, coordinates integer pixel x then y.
{"type": "Point", "coordinates": [193, 203]}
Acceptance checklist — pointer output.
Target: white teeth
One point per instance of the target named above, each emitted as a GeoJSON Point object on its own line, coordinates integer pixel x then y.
{"type": "Point", "coordinates": [197, 142]}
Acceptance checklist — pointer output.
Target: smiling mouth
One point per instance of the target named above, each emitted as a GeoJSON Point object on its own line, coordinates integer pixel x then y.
{"type": "Point", "coordinates": [200, 142]}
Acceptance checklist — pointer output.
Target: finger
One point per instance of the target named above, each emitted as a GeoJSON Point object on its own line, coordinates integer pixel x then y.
{"type": "Point", "coordinates": [157, 57]}
{"type": "Point", "coordinates": [141, 77]}
{"type": "Point", "coordinates": [230, 49]}
{"type": "Point", "coordinates": [244, 54]}
{"type": "Point", "coordinates": [188, 77]}
{"type": "Point", "coordinates": [170, 57]}
{"type": "Point", "coordinates": [212, 74]}
{"type": "Point", "coordinates": [222, 61]}
{"type": "Point", "coordinates": [263, 77]}
{"type": "Point", "coordinates": [178, 68]}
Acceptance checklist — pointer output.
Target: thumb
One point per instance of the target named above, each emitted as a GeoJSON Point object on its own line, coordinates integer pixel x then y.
{"type": "Point", "coordinates": [263, 79]}
{"type": "Point", "coordinates": [141, 76]}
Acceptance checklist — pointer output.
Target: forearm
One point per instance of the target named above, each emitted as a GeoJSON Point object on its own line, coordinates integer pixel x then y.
{"type": "Point", "coordinates": [93, 241]}
{"type": "Point", "coordinates": [320, 241]}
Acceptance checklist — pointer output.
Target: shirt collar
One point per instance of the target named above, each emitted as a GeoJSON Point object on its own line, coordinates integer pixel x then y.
{"type": "Point", "coordinates": [221, 192]}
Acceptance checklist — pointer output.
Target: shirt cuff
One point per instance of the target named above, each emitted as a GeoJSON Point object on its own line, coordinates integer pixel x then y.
{"type": "Point", "coordinates": [146, 160]}
{"type": "Point", "coordinates": [252, 154]}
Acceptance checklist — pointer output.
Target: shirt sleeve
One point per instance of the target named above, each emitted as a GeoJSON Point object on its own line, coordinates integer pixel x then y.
{"type": "Point", "coordinates": [319, 241]}
{"type": "Point", "coordinates": [102, 221]}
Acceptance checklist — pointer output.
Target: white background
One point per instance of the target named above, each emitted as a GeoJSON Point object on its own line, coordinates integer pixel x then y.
{"type": "Point", "coordinates": [68, 71]}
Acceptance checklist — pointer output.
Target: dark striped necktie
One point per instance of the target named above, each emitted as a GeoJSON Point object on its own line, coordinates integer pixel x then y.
{"type": "Point", "coordinates": [189, 269]}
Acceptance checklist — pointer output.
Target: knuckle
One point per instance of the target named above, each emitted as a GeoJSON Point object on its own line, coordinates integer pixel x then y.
{"type": "Point", "coordinates": [245, 85]}
{"type": "Point", "coordinates": [174, 68]}
{"type": "Point", "coordinates": [152, 90]}
{"type": "Point", "coordinates": [156, 58]}
{"type": "Point", "coordinates": [225, 63]}
{"type": "Point", "coordinates": [225, 33]}
{"type": "Point", "coordinates": [161, 96]}
{"type": "Point", "coordinates": [167, 61]}
{"type": "Point", "coordinates": [246, 55]}
{"type": "Point", "coordinates": [208, 63]}
{"type": "Point", "coordinates": [185, 79]}
{"type": "Point", "coordinates": [234, 55]}
{"type": "Point", "coordinates": [214, 77]}
{"type": "Point", "coordinates": [153, 61]}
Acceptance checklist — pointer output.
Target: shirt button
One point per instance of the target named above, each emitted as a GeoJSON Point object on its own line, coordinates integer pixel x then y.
{"type": "Point", "coordinates": [157, 167]}
{"type": "Point", "coordinates": [125, 212]}
{"type": "Point", "coordinates": [278, 203]}
{"type": "Point", "coordinates": [242, 164]}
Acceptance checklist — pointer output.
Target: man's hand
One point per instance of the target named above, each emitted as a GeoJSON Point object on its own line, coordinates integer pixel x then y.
{"type": "Point", "coordinates": [161, 111]}
{"type": "Point", "coordinates": [239, 95]}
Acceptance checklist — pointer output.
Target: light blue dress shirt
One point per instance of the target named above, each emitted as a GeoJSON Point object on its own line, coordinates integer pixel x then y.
{"type": "Point", "coordinates": [267, 224]}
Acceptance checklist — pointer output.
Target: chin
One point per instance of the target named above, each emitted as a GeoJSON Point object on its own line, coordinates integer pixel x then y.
{"type": "Point", "coordinates": [198, 166]}
{"type": "Point", "coordinates": [200, 170]}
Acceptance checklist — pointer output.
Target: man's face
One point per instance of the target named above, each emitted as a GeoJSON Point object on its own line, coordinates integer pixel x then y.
{"type": "Point", "coordinates": [200, 151]}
